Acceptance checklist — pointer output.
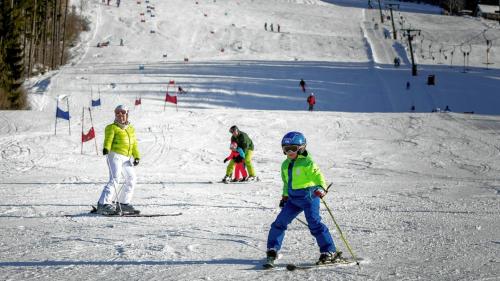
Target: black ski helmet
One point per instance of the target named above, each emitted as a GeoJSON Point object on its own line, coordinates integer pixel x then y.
{"type": "Point", "coordinates": [233, 129]}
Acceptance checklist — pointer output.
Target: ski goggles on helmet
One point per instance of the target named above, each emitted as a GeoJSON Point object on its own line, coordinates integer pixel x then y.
{"type": "Point", "coordinates": [291, 148]}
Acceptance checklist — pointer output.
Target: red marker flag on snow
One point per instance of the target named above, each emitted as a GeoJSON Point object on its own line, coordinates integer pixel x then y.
{"type": "Point", "coordinates": [90, 135]}
{"type": "Point", "coordinates": [172, 82]}
{"type": "Point", "coordinates": [138, 101]}
{"type": "Point", "coordinates": [172, 99]}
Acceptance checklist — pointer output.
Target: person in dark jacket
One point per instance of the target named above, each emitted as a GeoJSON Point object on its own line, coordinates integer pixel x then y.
{"type": "Point", "coordinates": [302, 84]}
{"type": "Point", "coordinates": [245, 143]}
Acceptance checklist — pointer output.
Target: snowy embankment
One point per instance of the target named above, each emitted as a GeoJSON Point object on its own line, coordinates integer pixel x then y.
{"type": "Point", "coordinates": [415, 193]}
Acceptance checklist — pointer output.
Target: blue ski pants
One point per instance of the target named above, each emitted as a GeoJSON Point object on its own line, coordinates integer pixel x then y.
{"type": "Point", "coordinates": [298, 201]}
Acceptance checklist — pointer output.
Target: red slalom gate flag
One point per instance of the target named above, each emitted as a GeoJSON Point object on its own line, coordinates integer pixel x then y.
{"type": "Point", "coordinates": [90, 135]}
{"type": "Point", "coordinates": [138, 101]}
{"type": "Point", "coordinates": [171, 82]}
{"type": "Point", "coordinates": [172, 99]}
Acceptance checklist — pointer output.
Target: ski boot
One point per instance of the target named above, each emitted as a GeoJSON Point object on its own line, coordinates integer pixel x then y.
{"type": "Point", "coordinates": [253, 178]}
{"type": "Point", "coordinates": [106, 209]}
{"type": "Point", "coordinates": [126, 209]}
{"type": "Point", "coordinates": [271, 257]}
{"type": "Point", "coordinates": [226, 179]}
{"type": "Point", "coordinates": [329, 257]}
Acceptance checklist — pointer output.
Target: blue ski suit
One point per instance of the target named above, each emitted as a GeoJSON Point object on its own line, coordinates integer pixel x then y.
{"type": "Point", "coordinates": [301, 198]}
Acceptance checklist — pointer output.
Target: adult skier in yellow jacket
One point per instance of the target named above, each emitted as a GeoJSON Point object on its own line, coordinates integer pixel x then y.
{"type": "Point", "coordinates": [122, 154]}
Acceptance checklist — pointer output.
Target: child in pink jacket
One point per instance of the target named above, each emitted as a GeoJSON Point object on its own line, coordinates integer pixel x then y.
{"type": "Point", "coordinates": [238, 156]}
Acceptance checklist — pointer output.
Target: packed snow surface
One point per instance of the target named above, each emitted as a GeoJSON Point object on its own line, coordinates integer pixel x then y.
{"type": "Point", "coordinates": [415, 193]}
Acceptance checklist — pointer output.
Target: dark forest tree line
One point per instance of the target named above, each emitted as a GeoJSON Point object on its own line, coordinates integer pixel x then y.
{"type": "Point", "coordinates": [34, 38]}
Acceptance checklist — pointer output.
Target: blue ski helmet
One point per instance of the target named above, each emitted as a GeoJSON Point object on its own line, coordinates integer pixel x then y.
{"type": "Point", "coordinates": [294, 138]}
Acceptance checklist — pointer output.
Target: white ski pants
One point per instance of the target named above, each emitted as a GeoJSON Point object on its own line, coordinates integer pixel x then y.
{"type": "Point", "coordinates": [117, 165]}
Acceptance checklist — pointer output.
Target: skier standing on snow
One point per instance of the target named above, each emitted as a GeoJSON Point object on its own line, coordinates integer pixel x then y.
{"type": "Point", "coordinates": [302, 84]}
{"type": "Point", "coordinates": [122, 154]}
{"type": "Point", "coordinates": [303, 185]}
{"type": "Point", "coordinates": [311, 100]}
{"type": "Point", "coordinates": [237, 154]}
{"type": "Point", "coordinates": [243, 141]}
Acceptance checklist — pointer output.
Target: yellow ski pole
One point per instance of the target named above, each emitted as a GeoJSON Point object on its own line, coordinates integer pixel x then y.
{"type": "Point", "coordinates": [341, 234]}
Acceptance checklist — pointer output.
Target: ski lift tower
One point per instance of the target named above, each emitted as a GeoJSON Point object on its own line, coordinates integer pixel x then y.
{"type": "Point", "coordinates": [390, 6]}
{"type": "Point", "coordinates": [410, 38]}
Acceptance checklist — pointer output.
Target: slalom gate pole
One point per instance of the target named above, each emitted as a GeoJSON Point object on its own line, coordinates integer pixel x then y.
{"type": "Point", "coordinates": [83, 119]}
{"type": "Point", "coordinates": [341, 234]}
{"type": "Point", "coordinates": [114, 184]}
{"type": "Point", "coordinates": [69, 121]}
{"type": "Point", "coordinates": [57, 107]}
{"type": "Point", "coordinates": [92, 124]}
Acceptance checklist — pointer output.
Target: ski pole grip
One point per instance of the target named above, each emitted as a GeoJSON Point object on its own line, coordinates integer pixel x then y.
{"type": "Point", "coordinates": [328, 187]}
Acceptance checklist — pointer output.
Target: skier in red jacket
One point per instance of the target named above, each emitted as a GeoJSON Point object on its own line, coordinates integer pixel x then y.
{"type": "Point", "coordinates": [311, 100]}
{"type": "Point", "coordinates": [238, 156]}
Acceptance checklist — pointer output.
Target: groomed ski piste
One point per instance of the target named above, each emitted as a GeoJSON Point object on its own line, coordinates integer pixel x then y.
{"type": "Point", "coordinates": [415, 193]}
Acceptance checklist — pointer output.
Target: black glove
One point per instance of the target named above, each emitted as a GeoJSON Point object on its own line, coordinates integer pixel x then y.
{"type": "Point", "coordinates": [283, 201]}
{"type": "Point", "coordinates": [104, 151]}
{"type": "Point", "coordinates": [136, 161]}
{"type": "Point", "coordinates": [225, 160]}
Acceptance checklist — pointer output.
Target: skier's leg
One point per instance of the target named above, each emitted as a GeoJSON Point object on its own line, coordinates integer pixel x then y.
{"type": "Point", "coordinates": [317, 228]}
{"type": "Point", "coordinates": [248, 163]}
{"type": "Point", "coordinates": [278, 227]}
{"type": "Point", "coordinates": [230, 168]}
{"type": "Point", "coordinates": [115, 169]}
{"type": "Point", "coordinates": [127, 192]}
{"type": "Point", "coordinates": [244, 170]}
{"type": "Point", "coordinates": [237, 171]}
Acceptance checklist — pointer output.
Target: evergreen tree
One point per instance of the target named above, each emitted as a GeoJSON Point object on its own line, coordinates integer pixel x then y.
{"type": "Point", "coordinates": [11, 60]}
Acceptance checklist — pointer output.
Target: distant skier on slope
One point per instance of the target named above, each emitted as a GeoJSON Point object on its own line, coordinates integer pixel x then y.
{"type": "Point", "coordinates": [243, 141]}
{"type": "Point", "coordinates": [311, 100]}
{"type": "Point", "coordinates": [122, 154]}
{"type": "Point", "coordinates": [302, 84]}
{"type": "Point", "coordinates": [238, 156]}
{"type": "Point", "coordinates": [303, 186]}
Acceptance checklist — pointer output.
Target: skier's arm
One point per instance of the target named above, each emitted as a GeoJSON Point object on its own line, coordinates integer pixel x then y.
{"type": "Point", "coordinates": [109, 134]}
{"type": "Point", "coordinates": [241, 152]}
{"type": "Point", "coordinates": [316, 175]}
{"type": "Point", "coordinates": [285, 186]}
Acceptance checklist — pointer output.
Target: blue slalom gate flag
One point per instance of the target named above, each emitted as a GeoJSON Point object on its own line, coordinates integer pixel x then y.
{"type": "Point", "coordinates": [62, 114]}
{"type": "Point", "coordinates": [96, 102]}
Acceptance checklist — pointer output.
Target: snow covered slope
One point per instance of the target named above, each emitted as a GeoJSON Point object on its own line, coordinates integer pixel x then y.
{"type": "Point", "coordinates": [415, 193]}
